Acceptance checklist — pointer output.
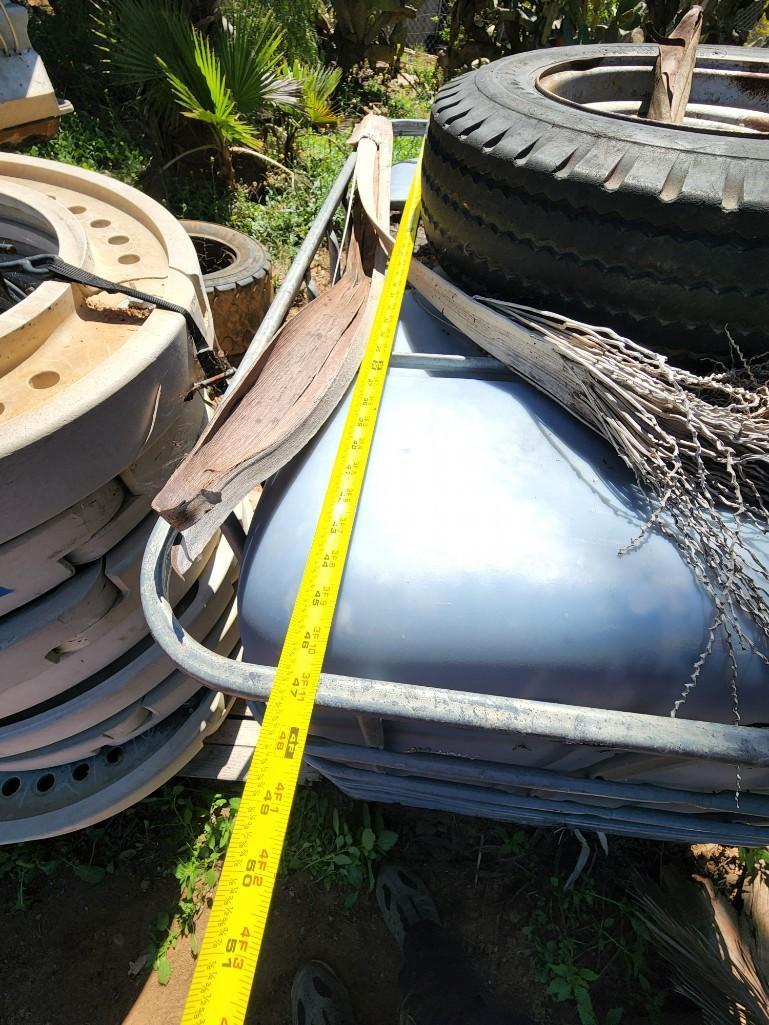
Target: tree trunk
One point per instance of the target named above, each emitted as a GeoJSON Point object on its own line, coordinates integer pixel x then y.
{"type": "Point", "coordinates": [228, 168]}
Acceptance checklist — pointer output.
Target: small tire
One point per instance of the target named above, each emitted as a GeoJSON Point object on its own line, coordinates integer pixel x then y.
{"type": "Point", "coordinates": [237, 274]}
{"type": "Point", "coordinates": [659, 231]}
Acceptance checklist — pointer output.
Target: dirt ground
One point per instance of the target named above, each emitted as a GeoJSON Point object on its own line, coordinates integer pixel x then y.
{"type": "Point", "coordinates": [73, 956]}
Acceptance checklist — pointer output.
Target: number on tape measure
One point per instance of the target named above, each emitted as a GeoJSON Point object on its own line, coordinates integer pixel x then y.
{"type": "Point", "coordinates": [221, 984]}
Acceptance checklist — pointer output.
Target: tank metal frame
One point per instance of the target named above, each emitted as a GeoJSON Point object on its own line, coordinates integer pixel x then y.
{"type": "Point", "coordinates": [506, 792]}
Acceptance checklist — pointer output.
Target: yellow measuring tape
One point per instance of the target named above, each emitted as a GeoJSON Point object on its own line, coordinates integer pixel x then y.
{"type": "Point", "coordinates": [221, 984]}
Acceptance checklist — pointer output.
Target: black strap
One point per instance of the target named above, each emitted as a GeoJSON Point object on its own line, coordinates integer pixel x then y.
{"type": "Point", "coordinates": [51, 266]}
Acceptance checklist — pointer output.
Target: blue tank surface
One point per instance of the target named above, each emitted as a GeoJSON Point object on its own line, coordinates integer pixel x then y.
{"type": "Point", "coordinates": [485, 557]}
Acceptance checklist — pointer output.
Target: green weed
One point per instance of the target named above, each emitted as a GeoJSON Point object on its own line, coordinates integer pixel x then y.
{"type": "Point", "coordinates": [196, 823]}
{"type": "Point", "coordinates": [90, 855]}
{"type": "Point", "coordinates": [578, 937]}
{"type": "Point", "coordinates": [509, 842]}
{"type": "Point", "coordinates": [281, 220]}
{"type": "Point", "coordinates": [27, 862]}
{"type": "Point", "coordinates": [335, 846]}
{"type": "Point", "coordinates": [334, 849]}
{"type": "Point", "coordinates": [338, 845]}
{"type": "Point", "coordinates": [372, 92]}
{"type": "Point", "coordinates": [754, 859]}
{"type": "Point", "coordinates": [102, 142]}
{"type": "Point", "coordinates": [206, 827]}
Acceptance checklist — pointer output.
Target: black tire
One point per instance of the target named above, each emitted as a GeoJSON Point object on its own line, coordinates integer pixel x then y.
{"type": "Point", "coordinates": [237, 274]}
{"type": "Point", "coordinates": [661, 232]}
{"type": "Point", "coordinates": [228, 258]}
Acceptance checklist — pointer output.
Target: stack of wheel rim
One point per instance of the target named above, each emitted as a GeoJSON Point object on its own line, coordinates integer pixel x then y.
{"type": "Point", "coordinates": [97, 407]}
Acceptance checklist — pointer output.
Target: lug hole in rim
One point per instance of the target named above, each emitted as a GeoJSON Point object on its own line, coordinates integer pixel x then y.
{"type": "Point", "coordinates": [45, 783]}
{"type": "Point", "coordinates": [10, 786]}
{"type": "Point", "coordinates": [45, 379]}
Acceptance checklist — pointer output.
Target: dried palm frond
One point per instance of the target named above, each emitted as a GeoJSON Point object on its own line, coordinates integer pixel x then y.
{"type": "Point", "coordinates": [288, 393]}
{"type": "Point", "coordinates": [718, 959]}
{"type": "Point", "coordinates": [698, 446]}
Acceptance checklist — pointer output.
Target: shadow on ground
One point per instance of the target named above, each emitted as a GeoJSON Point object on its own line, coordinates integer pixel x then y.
{"type": "Point", "coordinates": [73, 955]}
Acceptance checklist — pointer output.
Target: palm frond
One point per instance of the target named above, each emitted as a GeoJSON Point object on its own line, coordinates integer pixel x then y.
{"type": "Point", "coordinates": [206, 97]}
{"type": "Point", "coordinates": [318, 86]}
{"type": "Point", "coordinates": [249, 47]}
{"type": "Point", "coordinates": [713, 961]}
{"type": "Point", "coordinates": [135, 33]}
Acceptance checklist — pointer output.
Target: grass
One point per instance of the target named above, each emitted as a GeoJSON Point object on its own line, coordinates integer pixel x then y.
{"type": "Point", "coordinates": [587, 947]}
{"type": "Point", "coordinates": [205, 827]}
{"type": "Point", "coordinates": [336, 842]}
{"type": "Point", "coordinates": [196, 823]}
{"type": "Point", "coordinates": [90, 855]}
{"type": "Point", "coordinates": [584, 940]}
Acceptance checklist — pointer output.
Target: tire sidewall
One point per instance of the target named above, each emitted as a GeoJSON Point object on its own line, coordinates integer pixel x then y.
{"type": "Point", "coordinates": [251, 262]}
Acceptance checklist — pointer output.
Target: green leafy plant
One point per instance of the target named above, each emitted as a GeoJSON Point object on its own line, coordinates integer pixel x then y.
{"type": "Point", "coordinates": [298, 19]}
{"type": "Point", "coordinates": [281, 220]}
{"type": "Point", "coordinates": [91, 855]}
{"type": "Point", "coordinates": [99, 142]}
{"type": "Point", "coordinates": [62, 35]}
{"type": "Point", "coordinates": [509, 843]}
{"type": "Point", "coordinates": [318, 111]}
{"type": "Point", "coordinates": [25, 862]}
{"type": "Point", "coordinates": [335, 849]}
{"type": "Point", "coordinates": [576, 935]}
{"type": "Point", "coordinates": [599, 21]}
{"type": "Point", "coordinates": [484, 30]}
{"type": "Point", "coordinates": [754, 859]}
{"type": "Point", "coordinates": [226, 79]}
{"type": "Point", "coordinates": [206, 829]}
{"type": "Point", "coordinates": [725, 21]}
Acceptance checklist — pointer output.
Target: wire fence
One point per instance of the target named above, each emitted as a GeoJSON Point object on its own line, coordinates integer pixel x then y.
{"type": "Point", "coordinates": [423, 30]}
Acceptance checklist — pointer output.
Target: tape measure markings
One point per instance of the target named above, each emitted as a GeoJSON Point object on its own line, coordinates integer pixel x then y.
{"type": "Point", "coordinates": [227, 960]}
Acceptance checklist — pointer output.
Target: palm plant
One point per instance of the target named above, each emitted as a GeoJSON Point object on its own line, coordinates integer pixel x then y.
{"type": "Point", "coordinates": [317, 110]}
{"type": "Point", "coordinates": [226, 79]}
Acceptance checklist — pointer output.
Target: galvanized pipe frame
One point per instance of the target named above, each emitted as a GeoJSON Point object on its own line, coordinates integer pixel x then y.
{"type": "Point", "coordinates": [651, 735]}
{"type": "Point", "coordinates": [494, 790]}
{"type": "Point", "coordinates": [576, 724]}
{"type": "Point", "coordinates": [299, 269]}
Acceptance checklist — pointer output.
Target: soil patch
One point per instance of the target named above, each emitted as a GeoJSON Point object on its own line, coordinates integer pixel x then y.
{"type": "Point", "coordinates": [73, 956]}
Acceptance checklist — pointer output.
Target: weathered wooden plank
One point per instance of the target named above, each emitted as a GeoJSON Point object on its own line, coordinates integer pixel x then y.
{"type": "Point", "coordinates": [220, 762]}
{"type": "Point", "coordinates": [226, 754]}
